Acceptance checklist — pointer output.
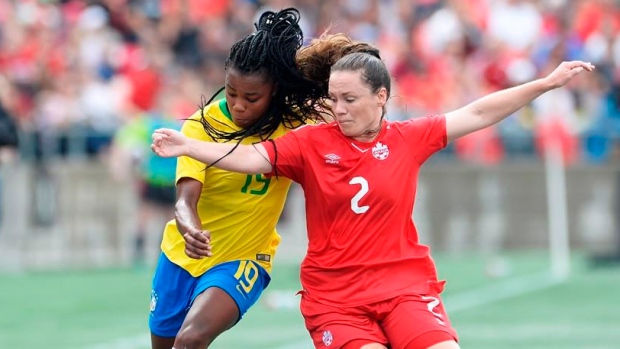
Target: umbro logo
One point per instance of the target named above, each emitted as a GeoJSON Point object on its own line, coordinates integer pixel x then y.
{"type": "Point", "coordinates": [332, 159]}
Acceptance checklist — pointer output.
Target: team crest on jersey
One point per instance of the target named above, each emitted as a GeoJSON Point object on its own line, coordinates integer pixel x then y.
{"type": "Point", "coordinates": [380, 151]}
{"type": "Point", "coordinates": [332, 159]}
{"type": "Point", "coordinates": [153, 301]}
{"type": "Point", "coordinates": [328, 339]}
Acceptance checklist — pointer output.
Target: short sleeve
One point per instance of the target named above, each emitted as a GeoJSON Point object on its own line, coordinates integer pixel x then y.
{"type": "Point", "coordinates": [186, 166]}
{"type": "Point", "coordinates": [285, 155]}
{"type": "Point", "coordinates": [426, 135]}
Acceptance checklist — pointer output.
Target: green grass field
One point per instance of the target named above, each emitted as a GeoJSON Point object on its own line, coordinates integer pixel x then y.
{"type": "Point", "coordinates": [524, 309]}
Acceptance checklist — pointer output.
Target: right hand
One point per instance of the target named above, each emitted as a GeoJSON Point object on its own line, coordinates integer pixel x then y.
{"type": "Point", "coordinates": [566, 71]}
{"type": "Point", "coordinates": [197, 243]}
{"type": "Point", "coordinates": [169, 143]}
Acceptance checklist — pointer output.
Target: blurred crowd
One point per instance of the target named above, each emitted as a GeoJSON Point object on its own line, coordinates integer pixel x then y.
{"type": "Point", "coordinates": [72, 73]}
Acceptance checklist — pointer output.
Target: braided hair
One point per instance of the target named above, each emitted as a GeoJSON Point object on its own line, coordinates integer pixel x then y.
{"type": "Point", "coordinates": [272, 50]}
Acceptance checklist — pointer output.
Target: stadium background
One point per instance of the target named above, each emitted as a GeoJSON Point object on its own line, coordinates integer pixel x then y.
{"type": "Point", "coordinates": [523, 217]}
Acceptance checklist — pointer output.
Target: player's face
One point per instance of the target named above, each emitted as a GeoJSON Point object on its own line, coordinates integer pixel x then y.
{"type": "Point", "coordinates": [248, 96]}
{"type": "Point", "coordinates": [355, 107]}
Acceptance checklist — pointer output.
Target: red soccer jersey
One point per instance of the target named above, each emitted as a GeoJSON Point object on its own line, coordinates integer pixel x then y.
{"type": "Point", "coordinates": [363, 245]}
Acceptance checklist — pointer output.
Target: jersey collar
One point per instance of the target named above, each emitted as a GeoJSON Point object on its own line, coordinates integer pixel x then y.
{"type": "Point", "coordinates": [224, 109]}
{"type": "Point", "coordinates": [364, 146]}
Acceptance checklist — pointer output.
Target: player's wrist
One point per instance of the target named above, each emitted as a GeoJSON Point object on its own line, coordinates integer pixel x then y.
{"type": "Point", "coordinates": [190, 147]}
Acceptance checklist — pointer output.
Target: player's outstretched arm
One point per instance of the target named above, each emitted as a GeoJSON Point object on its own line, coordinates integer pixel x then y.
{"type": "Point", "coordinates": [250, 159]}
{"type": "Point", "coordinates": [496, 106]}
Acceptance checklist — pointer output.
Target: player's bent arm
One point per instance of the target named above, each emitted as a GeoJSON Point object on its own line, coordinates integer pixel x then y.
{"type": "Point", "coordinates": [249, 159]}
{"type": "Point", "coordinates": [186, 206]}
{"type": "Point", "coordinates": [492, 108]}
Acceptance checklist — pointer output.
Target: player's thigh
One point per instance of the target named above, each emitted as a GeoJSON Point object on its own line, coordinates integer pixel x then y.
{"type": "Point", "coordinates": [212, 312]}
{"type": "Point", "coordinates": [340, 328]}
{"type": "Point", "coordinates": [225, 293]}
{"type": "Point", "coordinates": [171, 295]}
{"type": "Point", "coordinates": [419, 322]}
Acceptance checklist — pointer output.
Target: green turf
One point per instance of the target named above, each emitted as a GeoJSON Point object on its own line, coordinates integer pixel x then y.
{"type": "Point", "coordinates": [109, 309]}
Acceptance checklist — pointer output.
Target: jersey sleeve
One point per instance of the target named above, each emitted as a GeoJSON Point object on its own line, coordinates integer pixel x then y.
{"type": "Point", "coordinates": [426, 135]}
{"type": "Point", "coordinates": [186, 166]}
{"type": "Point", "coordinates": [285, 155]}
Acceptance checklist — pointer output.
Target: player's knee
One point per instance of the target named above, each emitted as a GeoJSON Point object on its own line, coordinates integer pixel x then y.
{"type": "Point", "coordinates": [195, 338]}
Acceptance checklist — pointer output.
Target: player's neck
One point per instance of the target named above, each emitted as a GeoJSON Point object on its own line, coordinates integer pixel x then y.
{"type": "Point", "coordinates": [369, 135]}
{"type": "Point", "coordinates": [367, 138]}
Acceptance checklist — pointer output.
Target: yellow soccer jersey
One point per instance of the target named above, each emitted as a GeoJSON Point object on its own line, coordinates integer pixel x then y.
{"type": "Point", "coordinates": [241, 211]}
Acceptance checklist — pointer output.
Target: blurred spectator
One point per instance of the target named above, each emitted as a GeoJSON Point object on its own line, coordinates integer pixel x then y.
{"type": "Point", "coordinates": [154, 176]}
{"type": "Point", "coordinates": [8, 128]}
{"type": "Point", "coordinates": [507, 15]}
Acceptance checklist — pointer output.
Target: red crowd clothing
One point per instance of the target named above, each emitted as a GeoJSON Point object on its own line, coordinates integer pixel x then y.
{"type": "Point", "coordinates": [363, 246]}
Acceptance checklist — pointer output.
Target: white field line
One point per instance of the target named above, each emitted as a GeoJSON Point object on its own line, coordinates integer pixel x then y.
{"type": "Point", "coordinates": [459, 302]}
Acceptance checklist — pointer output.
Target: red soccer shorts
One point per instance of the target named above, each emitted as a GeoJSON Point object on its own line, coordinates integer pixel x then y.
{"type": "Point", "coordinates": [397, 322]}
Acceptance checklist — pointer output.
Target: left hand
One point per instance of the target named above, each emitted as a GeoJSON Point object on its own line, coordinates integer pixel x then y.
{"type": "Point", "coordinates": [566, 71]}
{"type": "Point", "coordinates": [169, 143]}
{"type": "Point", "coordinates": [197, 243]}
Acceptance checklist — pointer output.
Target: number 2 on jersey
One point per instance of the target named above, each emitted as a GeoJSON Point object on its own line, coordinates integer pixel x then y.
{"type": "Point", "coordinates": [355, 201]}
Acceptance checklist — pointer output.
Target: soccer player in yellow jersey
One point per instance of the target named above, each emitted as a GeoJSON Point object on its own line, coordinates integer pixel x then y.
{"type": "Point", "coordinates": [217, 253]}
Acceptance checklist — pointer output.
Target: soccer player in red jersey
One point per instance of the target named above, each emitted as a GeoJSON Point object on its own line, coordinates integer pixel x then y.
{"type": "Point", "coordinates": [367, 281]}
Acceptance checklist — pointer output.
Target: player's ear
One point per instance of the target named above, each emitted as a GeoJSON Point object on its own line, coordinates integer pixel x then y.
{"type": "Point", "coordinates": [382, 97]}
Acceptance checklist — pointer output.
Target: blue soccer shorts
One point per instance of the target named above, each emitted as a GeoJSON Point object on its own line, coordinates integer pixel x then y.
{"type": "Point", "coordinates": [174, 290]}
